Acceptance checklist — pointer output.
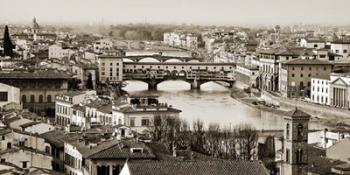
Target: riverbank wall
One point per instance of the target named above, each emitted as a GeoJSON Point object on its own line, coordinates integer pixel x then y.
{"type": "Point", "coordinates": [313, 109]}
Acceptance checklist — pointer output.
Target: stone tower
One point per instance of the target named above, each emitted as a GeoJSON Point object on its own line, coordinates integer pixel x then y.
{"type": "Point", "coordinates": [295, 149]}
{"type": "Point", "coordinates": [35, 26]}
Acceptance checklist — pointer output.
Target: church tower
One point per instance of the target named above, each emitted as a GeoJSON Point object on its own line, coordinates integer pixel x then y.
{"type": "Point", "coordinates": [35, 26]}
{"type": "Point", "coordinates": [295, 153]}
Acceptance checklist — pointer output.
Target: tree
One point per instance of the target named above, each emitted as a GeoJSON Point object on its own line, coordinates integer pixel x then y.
{"type": "Point", "coordinates": [7, 43]}
{"type": "Point", "coordinates": [247, 140]}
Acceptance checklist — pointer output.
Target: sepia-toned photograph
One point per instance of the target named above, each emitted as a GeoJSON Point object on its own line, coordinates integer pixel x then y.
{"type": "Point", "coordinates": [174, 87]}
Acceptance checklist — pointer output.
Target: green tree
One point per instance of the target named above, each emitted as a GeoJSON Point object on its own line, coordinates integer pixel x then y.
{"type": "Point", "coordinates": [7, 43]}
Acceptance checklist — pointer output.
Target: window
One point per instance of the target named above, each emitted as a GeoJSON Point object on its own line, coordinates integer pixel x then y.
{"type": "Point", "coordinates": [24, 164]}
{"type": "Point", "coordinates": [3, 96]}
{"type": "Point", "coordinates": [287, 131]}
{"type": "Point", "coordinates": [300, 130]}
{"type": "Point", "coordinates": [24, 99]}
{"type": "Point", "coordinates": [336, 51]}
{"type": "Point", "coordinates": [345, 51]}
{"type": "Point", "coordinates": [145, 122]}
{"type": "Point", "coordinates": [292, 75]}
{"type": "Point", "coordinates": [132, 122]}
{"type": "Point", "coordinates": [32, 98]}
{"type": "Point", "coordinates": [299, 156]}
{"type": "Point", "coordinates": [49, 98]}
{"type": "Point", "coordinates": [292, 68]}
{"type": "Point", "coordinates": [302, 68]}
{"type": "Point", "coordinates": [41, 98]}
{"type": "Point", "coordinates": [309, 75]}
{"type": "Point", "coordinates": [325, 68]}
{"type": "Point", "coordinates": [301, 75]}
{"type": "Point", "coordinates": [287, 155]}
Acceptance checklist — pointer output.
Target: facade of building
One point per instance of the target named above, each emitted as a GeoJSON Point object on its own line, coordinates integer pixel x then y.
{"type": "Point", "coordinates": [320, 91]}
{"type": "Point", "coordinates": [313, 43]}
{"type": "Point", "coordinates": [65, 103]}
{"type": "Point", "coordinates": [248, 75]}
{"type": "Point", "coordinates": [296, 74]}
{"type": "Point", "coordinates": [58, 51]}
{"type": "Point", "coordinates": [102, 45]}
{"type": "Point", "coordinates": [342, 48]}
{"type": "Point", "coordinates": [339, 95]}
{"type": "Point", "coordinates": [37, 89]}
{"type": "Point", "coordinates": [295, 144]}
{"type": "Point", "coordinates": [110, 69]}
{"type": "Point", "coordinates": [9, 94]}
{"type": "Point", "coordinates": [268, 69]}
{"type": "Point", "coordinates": [177, 39]}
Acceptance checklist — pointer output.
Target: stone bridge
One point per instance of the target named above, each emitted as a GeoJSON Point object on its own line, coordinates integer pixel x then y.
{"type": "Point", "coordinates": [161, 58]}
{"type": "Point", "coordinates": [194, 73]}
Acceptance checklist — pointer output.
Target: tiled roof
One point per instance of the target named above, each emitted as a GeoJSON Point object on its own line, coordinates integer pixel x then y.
{"type": "Point", "coordinates": [297, 113]}
{"type": "Point", "coordinates": [54, 137]}
{"type": "Point", "coordinates": [34, 75]}
{"type": "Point", "coordinates": [221, 167]}
{"type": "Point", "coordinates": [122, 151]}
{"type": "Point", "coordinates": [300, 61]}
{"type": "Point", "coordinates": [73, 93]}
{"type": "Point", "coordinates": [29, 124]}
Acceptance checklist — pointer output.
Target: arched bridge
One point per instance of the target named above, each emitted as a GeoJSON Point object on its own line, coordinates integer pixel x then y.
{"type": "Point", "coordinates": [194, 73]}
{"type": "Point", "coordinates": [160, 58]}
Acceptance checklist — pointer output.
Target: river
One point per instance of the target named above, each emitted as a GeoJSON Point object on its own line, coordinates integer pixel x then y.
{"type": "Point", "coordinates": [211, 104]}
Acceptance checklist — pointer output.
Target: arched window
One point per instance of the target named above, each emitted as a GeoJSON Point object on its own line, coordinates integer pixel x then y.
{"type": "Point", "coordinates": [24, 99]}
{"type": "Point", "coordinates": [300, 130]}
{"type": "Point", "coordinates": [32, 98]}
{"type": "Point", "coordinates": [299, 156]}
{"type": "Point", "coordinates": [41, 98]}
{"type": "Point", "coordinates": [49, 99]}
{"type": "Point", "coordinates": [287, 131]}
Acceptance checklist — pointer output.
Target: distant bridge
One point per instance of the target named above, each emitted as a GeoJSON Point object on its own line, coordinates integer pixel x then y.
{"type": "Point", "coordinates": [195, 73]}
{"type": "Point", "coordinates": [161, 58]}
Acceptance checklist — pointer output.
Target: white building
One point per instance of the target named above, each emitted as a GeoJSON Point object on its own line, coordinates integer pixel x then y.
{"type": "Point", "coordinates": [341, 48]}
{"type": "Point", "coordinates": [325, 139]}
{"type": "Point", "coordinates": [177, 39]}
{"type": "Point", "coordinates": [65, 102]}
{"type": "Point", "coordinates": [8, 94]}
{"type": "Point", "coordinates": [110, 69]}
{"type": "Point", "coordinates": [339, 88]}
{"type": "Point", "coordinates": [312, 43]}
{"type": "Point", "coordinates": [103, 45]}
{"type": "Point", "coordinates": [320, 91]}
{"type": "Point", "coordinates": [59, 52]}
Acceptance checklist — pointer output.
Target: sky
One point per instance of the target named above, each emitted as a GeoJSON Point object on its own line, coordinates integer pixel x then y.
{"type": "Point", "coordinates": [203, 12]}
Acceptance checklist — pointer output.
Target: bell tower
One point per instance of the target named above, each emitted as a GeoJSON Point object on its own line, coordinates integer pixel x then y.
{"type": "Point", "coordinates": [295, 151]}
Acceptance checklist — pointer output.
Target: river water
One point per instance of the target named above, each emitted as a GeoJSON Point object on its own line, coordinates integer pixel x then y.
{"type": "Point", "coordinates": [211, 104]}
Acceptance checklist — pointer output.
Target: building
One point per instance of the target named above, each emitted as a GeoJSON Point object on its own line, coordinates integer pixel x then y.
{"type": "Point", "coordinates": [9, 94]}
{"type": "Point", "coordinates": [314, 43]}
{"type": "Point", "coordinates": [268, 69]}
{"type": "Point", "coordinates": [141, 112]}
{"type": "Point", "coordinates": [340, 151]}
{"type": "Point", "coordinates": [178, 39]}
{"type": "Point", "coordinates": [110, 69]}
{"type": "Point", "coordinates": [248, 75]}
{"type": "Point", "coordinates": [65, 102]}
{"type": "Point", "coordinates": [60, 51]}
{"type": "Point", "coordinates": [295, 144]}
{"type": "Point", "coordinates": [38, 89]}
{"type": "Point", "coordinates": [102, 45]}
{"type": "Point", "coordinates": [327, 138]}
{"type": "Point", "coordinates": [296, 74]}
{"type": "Point", "coordinates": [320, 91]}
{"type": "Point", "coordinates": [339, 90]}
{"type": "Point", "coordinates": [222, 167]}
{"type": "Point", "coordinates": [341, 47]}
{"type": "Point", "coordinates": [111, 160]}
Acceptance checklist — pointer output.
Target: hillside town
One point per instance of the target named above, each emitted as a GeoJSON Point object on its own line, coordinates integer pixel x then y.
{"type": "Point", "coordinates": [65, 109]}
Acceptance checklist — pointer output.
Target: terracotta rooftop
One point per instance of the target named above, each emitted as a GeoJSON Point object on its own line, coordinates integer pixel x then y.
{"type": "Point", "coordinates": [300, 61]}
{"type": "Point", "coordinates": [297, 113]}
{"type": "Point", "coordinates": [34, 75]}
{"type": "Point", "coordinates": [212, 167]}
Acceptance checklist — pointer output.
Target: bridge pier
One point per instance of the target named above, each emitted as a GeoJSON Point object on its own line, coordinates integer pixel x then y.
{"type": "Point", "coordinates": [195, 84]}
{"type": "Point", "coordinates": [152, 85]}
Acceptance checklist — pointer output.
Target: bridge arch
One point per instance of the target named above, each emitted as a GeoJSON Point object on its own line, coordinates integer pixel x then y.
{"type": "Point", "coordinates": [193, 61]}
{"type": "Point", "coordinates": [148, 59]}
{"type": "Point", "coordinates": [173, 60]}
{"type": "Point", "coordinates": [128, 60]}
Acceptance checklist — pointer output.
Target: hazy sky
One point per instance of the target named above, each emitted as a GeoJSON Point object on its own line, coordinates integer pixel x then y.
{"type": "Point", "coordinates": [178, 11]}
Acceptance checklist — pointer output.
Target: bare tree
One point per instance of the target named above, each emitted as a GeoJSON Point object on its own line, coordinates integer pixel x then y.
{"type": "Point", "coordinates": [247, 138]}
{"type": "Point", "coordinates": [198, 136]}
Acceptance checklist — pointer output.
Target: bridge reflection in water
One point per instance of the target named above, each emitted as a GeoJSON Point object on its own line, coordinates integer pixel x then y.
{"type": "Point", "coordinates": [194, 73]}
